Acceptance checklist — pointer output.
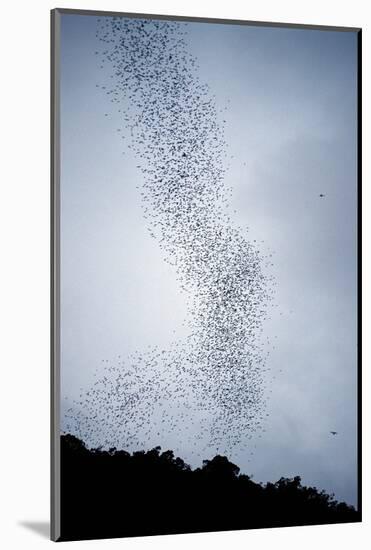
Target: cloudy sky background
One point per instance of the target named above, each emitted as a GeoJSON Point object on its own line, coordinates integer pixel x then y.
{"type": "Point", "coordinates": [291, 128]}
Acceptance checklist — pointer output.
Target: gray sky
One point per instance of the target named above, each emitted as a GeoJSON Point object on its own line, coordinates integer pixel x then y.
{"type": "Point", "coordinates": [291, 129]}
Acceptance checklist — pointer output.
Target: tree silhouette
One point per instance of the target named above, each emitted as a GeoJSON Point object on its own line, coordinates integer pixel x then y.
{"type": "Point", "coordinates": [113, 493]}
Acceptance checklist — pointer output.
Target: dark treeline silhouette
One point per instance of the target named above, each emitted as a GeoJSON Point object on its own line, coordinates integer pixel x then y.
{"type": "Point", "coordinates": [107, 494]}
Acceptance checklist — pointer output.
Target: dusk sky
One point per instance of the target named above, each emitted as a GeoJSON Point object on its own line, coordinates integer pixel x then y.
{"type": "Point", "coordinates": [290, 101]}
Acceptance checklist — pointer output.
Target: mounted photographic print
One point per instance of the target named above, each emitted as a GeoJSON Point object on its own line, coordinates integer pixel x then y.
{"type": "Point", "coordinates": [205, 275]}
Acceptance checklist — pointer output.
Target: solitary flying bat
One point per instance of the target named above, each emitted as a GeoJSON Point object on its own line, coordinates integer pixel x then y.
{"type": "Point", "coordinates": [333, 433]}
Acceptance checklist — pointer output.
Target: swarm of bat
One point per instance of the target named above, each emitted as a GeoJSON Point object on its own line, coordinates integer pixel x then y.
{"type": "Point", "coordinates": [209, 390]}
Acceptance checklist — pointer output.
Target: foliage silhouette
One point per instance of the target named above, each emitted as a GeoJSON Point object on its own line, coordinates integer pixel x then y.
{"type": "Point", "coordinates": [106, 494]}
